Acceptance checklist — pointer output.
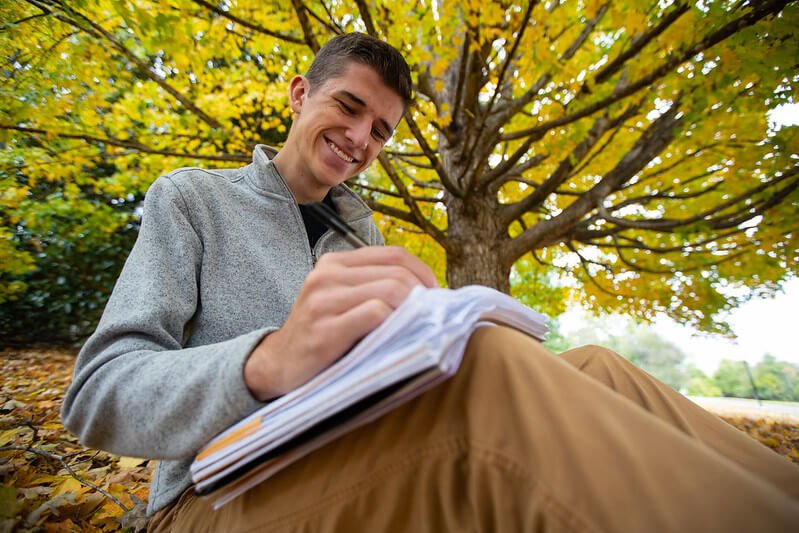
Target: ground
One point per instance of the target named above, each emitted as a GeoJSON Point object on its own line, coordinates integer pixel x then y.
{"type": "Point", "coordinates": [49, 482]}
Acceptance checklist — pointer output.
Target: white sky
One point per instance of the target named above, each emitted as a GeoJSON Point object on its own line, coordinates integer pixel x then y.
{"type": "Point", "coordinates": [761, 326]}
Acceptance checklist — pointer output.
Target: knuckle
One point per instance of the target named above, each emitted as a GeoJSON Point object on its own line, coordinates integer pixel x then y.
{"type": "Point", "coordinates": [378, 310]}
{"type": "Point", "coordinates": [402, 275]}
{"type": "Point", "coordinates": [396, 253]}
{"type": "Point", "coordinates": [396, 291]}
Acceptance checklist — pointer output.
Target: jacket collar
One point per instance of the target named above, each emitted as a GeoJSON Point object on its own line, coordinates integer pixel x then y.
{"type": "Point", "coordinates": [266, 177]}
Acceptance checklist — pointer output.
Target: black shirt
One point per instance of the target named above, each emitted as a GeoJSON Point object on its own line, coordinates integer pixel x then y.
{"type": "Point", "coordinates": [313, 226]}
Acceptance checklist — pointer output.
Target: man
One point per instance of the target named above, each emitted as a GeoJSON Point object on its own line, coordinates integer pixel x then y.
{"type": "Point", "coordinates": [223, 305]}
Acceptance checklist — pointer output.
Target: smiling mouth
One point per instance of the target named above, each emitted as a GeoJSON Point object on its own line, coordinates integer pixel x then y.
{"type": "Point", "coordinates": [336, 150]}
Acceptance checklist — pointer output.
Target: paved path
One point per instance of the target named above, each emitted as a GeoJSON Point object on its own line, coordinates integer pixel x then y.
{"type": "Point", "coordinates": [782, 411]}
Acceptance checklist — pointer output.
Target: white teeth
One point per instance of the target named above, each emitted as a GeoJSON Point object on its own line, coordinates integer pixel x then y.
{"type": "Point", "coordinates": [339, 153]}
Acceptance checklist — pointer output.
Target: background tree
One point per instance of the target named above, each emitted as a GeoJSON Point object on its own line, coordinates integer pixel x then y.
{"type": "Point", "coordinates": [776, 380]}
{"type": "Point", "coordinates": [699, 384]}
{"type": "Point", "coordinates": [619, 151]}
{"type": "Point", "coordinates": [78, 246]}
{"type": "Point", "coordinates": [637, 342]}
{"type": "Point", "coordinates": [732, 379]}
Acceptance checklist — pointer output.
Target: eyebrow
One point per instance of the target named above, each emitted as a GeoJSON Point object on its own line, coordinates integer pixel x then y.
{"type": "Point", "coordinates": [361, 103]}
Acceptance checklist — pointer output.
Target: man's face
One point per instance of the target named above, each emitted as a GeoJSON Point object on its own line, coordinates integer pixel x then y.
{"type": "Point", "coordinates": [341, 127]}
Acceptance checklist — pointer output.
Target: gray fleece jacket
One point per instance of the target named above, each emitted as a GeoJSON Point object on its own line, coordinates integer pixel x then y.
{"type": "Point", "coordinates": [219, 260]}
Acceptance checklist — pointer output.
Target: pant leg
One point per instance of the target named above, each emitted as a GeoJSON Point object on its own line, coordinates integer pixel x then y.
{"type": "Point", "coordinates": [667, 404]}
{"type": "Point", "coordinates": [517, 440]}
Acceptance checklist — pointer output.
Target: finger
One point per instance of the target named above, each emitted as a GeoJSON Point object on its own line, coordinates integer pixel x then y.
{"type": "Point", "coordinates": [353, 276]}
{"type": "Point", "coordinates": [383, 255]}
{"type": "Point", "coordinates": [340, 298]}
{"type": "Point", "coordinates": [360, 320]}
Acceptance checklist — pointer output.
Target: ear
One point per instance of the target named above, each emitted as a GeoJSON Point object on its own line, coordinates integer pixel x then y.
{"type": "Point", "coordinates": [298, 90]}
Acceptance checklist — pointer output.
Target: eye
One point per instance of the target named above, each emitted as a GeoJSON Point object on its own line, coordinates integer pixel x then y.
{"type": "Point", "coordinates": [377, 134]}
{"type": "Point", "coordinates": [344, 107]}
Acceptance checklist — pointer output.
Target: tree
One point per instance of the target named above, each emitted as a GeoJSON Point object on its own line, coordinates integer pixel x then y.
{"type": "Point", "coordinates": [699, 384]}
{"type": "Point", "coordinates": [732, 379]}
{"type": "Point", "coordinates": [78, 246]}
{"type": "Point", "coordinates": [776, 380]}
{"type": "Point", "coordinates": [622, 148]}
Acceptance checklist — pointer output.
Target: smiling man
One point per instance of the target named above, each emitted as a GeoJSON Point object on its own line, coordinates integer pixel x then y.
{"type": "Point", "coordinates": [340, 125]}
{"type": "Point", "coordinates": [233, 296]}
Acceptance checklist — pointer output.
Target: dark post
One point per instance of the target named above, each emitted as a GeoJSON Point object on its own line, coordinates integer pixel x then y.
{"type": "Point", "coordinates": [752, 381]}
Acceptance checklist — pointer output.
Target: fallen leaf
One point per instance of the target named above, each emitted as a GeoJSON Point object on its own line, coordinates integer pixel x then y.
{"type": "Point", "coordinates": [10, 405]}
{"type": "Point", "coordinates": [135, 518]}
{"type": "Point", "coordinates": [51, 506]}
{"type": "Point", "coordinates": [9, 505]}
{"type": "Point", "coordinates": [130, 462]}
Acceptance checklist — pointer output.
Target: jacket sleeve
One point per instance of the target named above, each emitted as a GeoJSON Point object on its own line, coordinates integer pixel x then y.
{"type": "Point", "coordinates": [136, 391]}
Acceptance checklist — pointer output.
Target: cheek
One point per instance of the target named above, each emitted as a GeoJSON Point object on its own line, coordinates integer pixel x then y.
{"type": "Point", "coordinates": [375, 152]}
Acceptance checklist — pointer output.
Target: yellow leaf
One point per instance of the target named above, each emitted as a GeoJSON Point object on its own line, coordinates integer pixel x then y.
{"type": "Point", "coordinates": [8, 435]}
{"type": "Point", "coordinates": [130, 462]}
{"type": "Point", "coordinates": [69, 484]}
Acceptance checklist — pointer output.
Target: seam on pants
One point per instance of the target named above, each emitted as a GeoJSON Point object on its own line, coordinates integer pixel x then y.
{"type": "Point", "coordinates": [544, 496]}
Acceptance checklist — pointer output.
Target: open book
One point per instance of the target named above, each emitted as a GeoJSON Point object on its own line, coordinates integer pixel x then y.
{"type": "Point", "coordinates": [416, 347]}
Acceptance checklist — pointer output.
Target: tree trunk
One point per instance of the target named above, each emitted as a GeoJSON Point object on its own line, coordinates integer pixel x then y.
{"type": "Point", "coordinates": [477, 258]}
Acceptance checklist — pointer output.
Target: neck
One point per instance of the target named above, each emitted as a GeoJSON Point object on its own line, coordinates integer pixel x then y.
{"type": "Point", "coordinates": [303, 189]}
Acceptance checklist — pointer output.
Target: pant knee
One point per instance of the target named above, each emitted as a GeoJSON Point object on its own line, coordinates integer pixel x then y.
{"type": "Point", "coordinates": [593, 356]}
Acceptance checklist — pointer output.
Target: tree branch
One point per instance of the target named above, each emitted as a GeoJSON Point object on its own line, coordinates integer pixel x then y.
{"type": "Point", "coordinates": [636, 244]}
{"type": "Point", "coordinates": [760, 11]}
{"type": "Point", "coordinates": [66, 466]}
{"type": "Point", "coordinates": [518, 105]}
{"type": "Point", "coordinates": [509, 59]}
{"type": "Point", "coordinates": [420, 220]}
{"type": "Point", "coordinates": [393, 194]}
{"type": "Point", "coordinates": [721, 222]}
{"type": "Point", "coordinates": [366, 17]}
{"type": "Point", "coordinates": [249, 25]}
{"type": "Point", "coordinates": [393, 212]}
{"type": "Point", "coordinates": [26, 19]}
{"type": "Point", "coordinates": [431, 155]}
{"type": "Point", "coordinates": [244, 158]}
{"type": "Point", "coordinates": [310, 39]}
{"type": "Point", "coordinates": [639, 43]}
{"type": "Point", "coordinates": [424, 184]}
{"type": "Point", "coordinates": [682, 268]}
{"type": "Point", "coordinates": [654, 140]}
{"type": "Point", "coordinates": [98, 32]}
{"type": "Point", "coordinates": [330, 24]}
{"type": "Point", "coordinates": [413, 163]}
{"type": "Point", "coordinates": [563, 171]}
{"type": "Point", "coordinates": [463, 73]}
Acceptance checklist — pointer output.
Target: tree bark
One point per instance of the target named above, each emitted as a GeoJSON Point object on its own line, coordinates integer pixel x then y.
{"type": "Point", "coordinates": [479, 234]}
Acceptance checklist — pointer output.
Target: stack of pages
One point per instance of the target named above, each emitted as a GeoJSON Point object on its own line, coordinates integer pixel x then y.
{"type": "Point", "coordinates": [418, 346]}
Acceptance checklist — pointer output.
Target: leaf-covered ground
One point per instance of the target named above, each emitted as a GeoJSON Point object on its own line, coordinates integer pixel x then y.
{"type": "Point", "coordinates": [41, 462]}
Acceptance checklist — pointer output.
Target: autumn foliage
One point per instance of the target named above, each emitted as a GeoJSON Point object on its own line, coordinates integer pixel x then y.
{"type": "Point", "coordinates": [620, 152]}
{"type": "Point", "coordinates": [39, 493]}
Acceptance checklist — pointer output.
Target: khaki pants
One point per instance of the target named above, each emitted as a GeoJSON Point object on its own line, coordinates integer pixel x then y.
{"type": "Point", "coordinates": [521, 439]}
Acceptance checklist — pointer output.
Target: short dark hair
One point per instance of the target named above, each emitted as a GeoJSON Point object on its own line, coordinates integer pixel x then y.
{"type": "Point", "coordinates": [332, 58]}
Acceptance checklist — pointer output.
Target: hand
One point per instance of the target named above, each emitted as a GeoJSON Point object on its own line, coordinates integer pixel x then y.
{"type": "Point", "coordinates": [345, 296]}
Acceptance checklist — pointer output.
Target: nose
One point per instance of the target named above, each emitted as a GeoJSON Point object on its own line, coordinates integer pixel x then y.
{"type": "Point", "coordinates": [359, 132]}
